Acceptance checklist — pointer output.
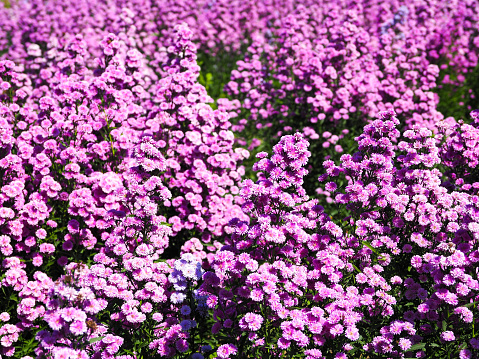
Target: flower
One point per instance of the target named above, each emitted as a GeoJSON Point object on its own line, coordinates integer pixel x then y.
{"type": "Point", "coordinates": [448, 336]}
{"type": "Point", "coordinates": [226, 351]}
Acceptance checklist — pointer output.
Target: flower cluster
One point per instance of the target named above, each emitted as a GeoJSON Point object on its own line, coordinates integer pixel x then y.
{"type": "Point", "coordinates": [403, 216]}
{"type": "Point", "coordinates": [322, 70]}
{"type": "Point", "coordinates": [270, 282]}
{"type": "Point", "coordinates": [202, 174]}
{"type": "Point", "coordinates": [133, 223]}
{"type": "Point", "coordinates": [97, 167]}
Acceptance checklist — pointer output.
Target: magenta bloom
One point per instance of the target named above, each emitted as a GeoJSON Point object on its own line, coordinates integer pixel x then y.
{"type": "Point", "coordinates": [404, 344]}
{"type": "Point", "coordinates": [251, 321]}
{"type": "Point", "coordinates": [68, 313]}
{"type": "Point", "coordinates": [448, 336]}
{"type": "Point", "coordinates": [78, 327]}
{"type": "Point", "coordinates": [226, 350]}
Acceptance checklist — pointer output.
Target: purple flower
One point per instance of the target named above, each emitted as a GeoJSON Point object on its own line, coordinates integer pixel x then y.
{"type": "Point", "coordinates": [405, 344]}
{"type": "Point", "coordinates": [251, 321]}
{"type": "Point", "coordinates": [448, 336]}
{"type": "Point", "coordinates": [226, 350]}
{"type": "Point", "coordinates": [78, 327]}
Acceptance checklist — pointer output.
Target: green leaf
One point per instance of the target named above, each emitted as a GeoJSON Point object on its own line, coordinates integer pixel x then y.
{"type": "Point", "coordinates": [97, 339]}
{"type": "Point", "coordinates": [418, 346]}
{"type": "Point", "coordinates": [367, 244]}
{"type": "Point", "coordinates": [444, 325]}
{"type": "Point", "coordinates": [356, 268]}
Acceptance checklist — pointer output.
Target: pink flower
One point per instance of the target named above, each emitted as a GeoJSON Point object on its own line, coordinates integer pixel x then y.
{"type": "Point", "coordinates": [55, 321]}
{"type": "Point", "coordinates": [67, 314]}
{"type": "Point", "coordinates": [226, 350]}
{"type": "Point", "coordinates": [352, 333]}
{"type": "Point", "coordinates": [62, 353]}
{"type": "Point", "coordinates": [41, 233]}
{"type": "Point", "coordinates": [78, 327]}
{"type": "Point", "coordinates": [448, 336]}
{"type": "Point", "coordinates": [47, 248]}
{"type": "Point", "coordinates": [37, 260]}
{"type": "Point", "coordinates": [251, 321]}
{"type": "Point", "coordinates": [404, 344]}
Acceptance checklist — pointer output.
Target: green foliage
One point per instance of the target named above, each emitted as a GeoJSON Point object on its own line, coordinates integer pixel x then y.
{"type": "Point", "coordinates": [216, 71]}
{"type": "Point", "coordinates": [458, 100]}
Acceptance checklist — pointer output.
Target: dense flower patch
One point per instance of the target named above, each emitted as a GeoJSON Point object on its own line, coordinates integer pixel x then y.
{"type": "Point", "coordinates": [321, 205]}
